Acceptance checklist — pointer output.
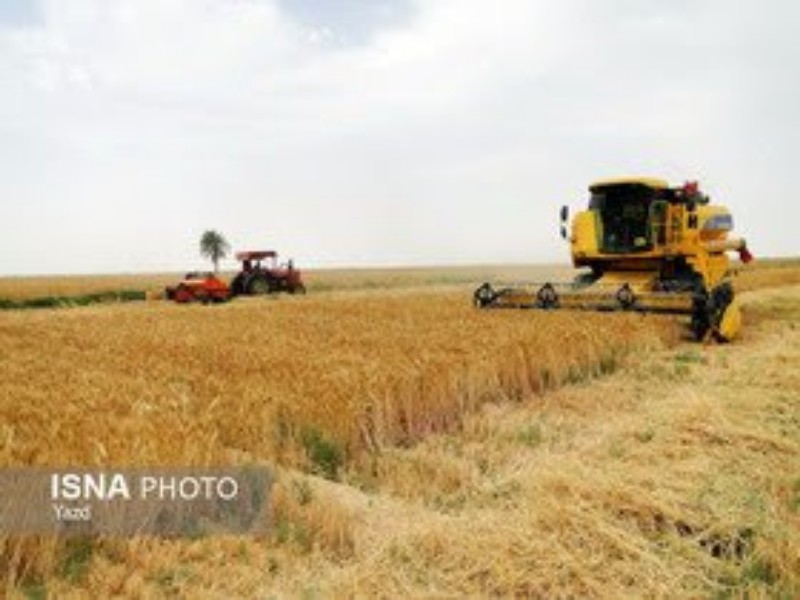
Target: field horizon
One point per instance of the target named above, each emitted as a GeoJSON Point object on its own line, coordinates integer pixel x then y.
{"type": "Point", "coordinates": [771, 260]}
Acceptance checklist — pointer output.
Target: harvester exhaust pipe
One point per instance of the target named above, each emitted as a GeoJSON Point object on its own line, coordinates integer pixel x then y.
{"type": "Point", "coordinates": [564, 220]}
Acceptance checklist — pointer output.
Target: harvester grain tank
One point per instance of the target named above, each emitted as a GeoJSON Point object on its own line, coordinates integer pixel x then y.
{"type": "Point", "coordinates": [648, 247]}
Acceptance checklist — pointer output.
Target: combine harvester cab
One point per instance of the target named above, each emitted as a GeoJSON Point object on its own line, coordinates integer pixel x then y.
{"type": "Point", "coordinates": [648, 247]}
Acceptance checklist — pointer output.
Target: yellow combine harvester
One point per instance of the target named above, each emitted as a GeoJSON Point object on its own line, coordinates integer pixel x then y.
{"type": "Point", "coordinates": [649, 247]}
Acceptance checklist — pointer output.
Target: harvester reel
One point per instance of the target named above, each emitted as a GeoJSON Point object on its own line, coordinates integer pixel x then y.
{"type": "Point", "coordinates": [626, 297]}
{"type": "Point", "coordinates": [484, 296]}
{"type": "Point", "coordinates": [547, 297]}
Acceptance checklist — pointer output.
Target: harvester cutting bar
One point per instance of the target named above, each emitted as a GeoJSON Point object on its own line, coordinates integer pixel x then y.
{"type": "Point", "coordinates": [598, 296]}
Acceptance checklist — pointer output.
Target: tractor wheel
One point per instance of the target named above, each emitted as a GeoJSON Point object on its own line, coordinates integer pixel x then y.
{"type": "Point", "coordinates": [298, 289]}
{"type": "Point", "coordinates": [258, 286]}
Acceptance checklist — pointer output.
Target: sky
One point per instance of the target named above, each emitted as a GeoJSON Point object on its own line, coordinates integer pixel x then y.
{"type": "Point", "coordinates": [379, 132]}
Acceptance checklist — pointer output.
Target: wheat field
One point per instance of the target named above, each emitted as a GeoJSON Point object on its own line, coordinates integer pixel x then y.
{"type": "Point", "coordinates": [248, 379]}
{"type": "Point", "coordinates": [422, 447]}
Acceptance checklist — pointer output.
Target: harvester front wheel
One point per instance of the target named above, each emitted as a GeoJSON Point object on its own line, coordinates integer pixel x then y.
{"type": "Point", "coordinates": [699, 325]}
{"type": "Point", "coordinates": [730, 322]}
{"type": "Point", "coordinates": [717, 314]}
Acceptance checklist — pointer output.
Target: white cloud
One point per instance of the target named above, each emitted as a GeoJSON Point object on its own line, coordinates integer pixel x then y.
{"type": "Point", "coordinates": [450, 135]}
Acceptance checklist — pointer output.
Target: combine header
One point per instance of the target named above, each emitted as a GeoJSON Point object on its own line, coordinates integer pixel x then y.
{"type": "Point", "coordinates": [649, 248]}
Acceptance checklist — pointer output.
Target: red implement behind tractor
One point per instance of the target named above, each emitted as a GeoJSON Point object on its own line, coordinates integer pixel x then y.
{"type": "Point", "coordinates": [261, 274]}
{"type": "Point", "coordinates": [199, 287]}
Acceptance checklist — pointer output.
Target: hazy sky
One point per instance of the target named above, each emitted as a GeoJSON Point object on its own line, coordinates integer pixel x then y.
{"type": "Point", "coordinates": [379, 131]}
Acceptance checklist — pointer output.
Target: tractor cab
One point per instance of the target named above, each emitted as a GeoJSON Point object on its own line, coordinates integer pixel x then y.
{"type": "Point", "coordinates": [257, 260]}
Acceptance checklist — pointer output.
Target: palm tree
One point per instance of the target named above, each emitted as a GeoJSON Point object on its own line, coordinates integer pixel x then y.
{"type": "Point", "coordinates": [214, 247]}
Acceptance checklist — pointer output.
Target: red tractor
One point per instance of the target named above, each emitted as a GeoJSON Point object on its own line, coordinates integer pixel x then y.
{"type": "Point", "coordinates": [261, 274]}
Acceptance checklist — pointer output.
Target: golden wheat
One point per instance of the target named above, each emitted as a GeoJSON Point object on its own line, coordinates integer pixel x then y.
{"type": "Point", "coordinates": [23, 288]}
{"type": "Point", "coordinates": [327, 383]}
{"type": "Point", "coordinates": [767, 274]}
{"type": "Point", "coordinates": [306, 382]}
{"type": "Point", "coordinates": [115, 385]}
